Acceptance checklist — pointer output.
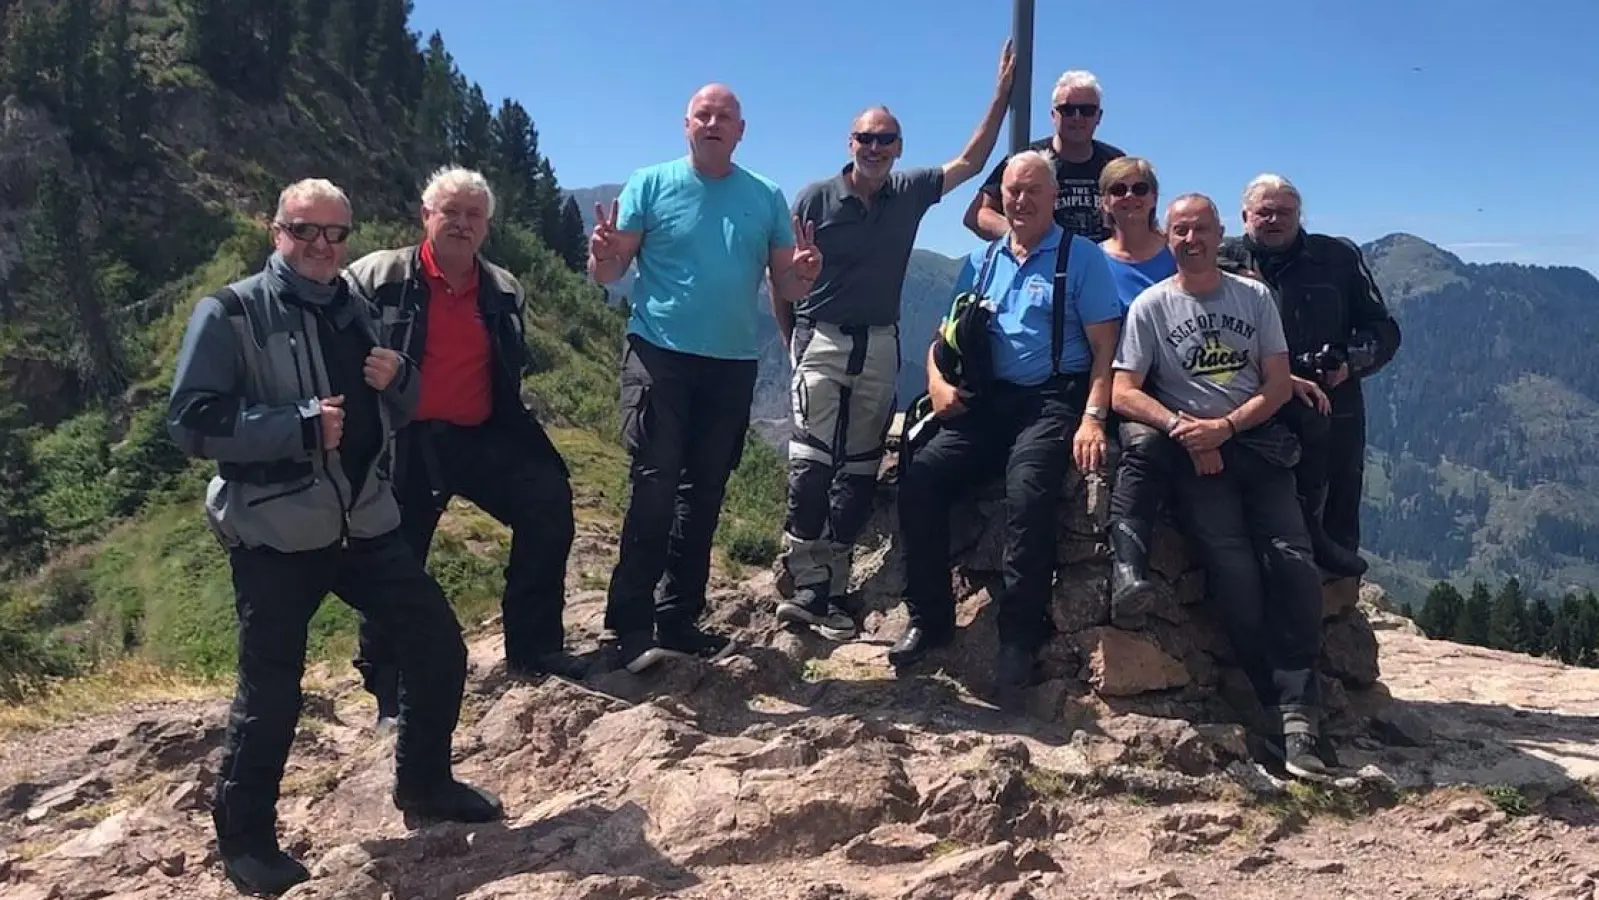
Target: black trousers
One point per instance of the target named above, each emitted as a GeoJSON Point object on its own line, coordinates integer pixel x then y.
{"type": "Point", "coordinates": [1026, 435]}
{"type": "Point", "coordinates": [1146, 465]}
{"type": "Point", "coordinates": [528, 494]}
{"type": "Point", "coordinates": [276, 595]}
{"type": "Point", "coordinates": [1247, 527]}
{"type": "Point", "coordinates": [1332, 459]}
{"type": "Point", "coordinates": [1346, 475]}
{"type": "Point", "coordinates": [684, 419]}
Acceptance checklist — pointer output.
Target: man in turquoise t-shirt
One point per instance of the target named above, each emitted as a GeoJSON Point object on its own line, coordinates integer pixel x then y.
{"type": "Point", "coordinates": [704, 231]}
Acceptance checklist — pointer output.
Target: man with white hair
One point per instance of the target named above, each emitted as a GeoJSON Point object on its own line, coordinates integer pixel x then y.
{"type": "Point", "coordinates": [1076, 108]}
{"type": "Point", "coordinates": [459, 317]}
{"type": "Point", "coordinates": [283, 380]}
{"type": "Point", "coordinates": [1055, 321]}
{"type": "Point", "coordinates": [704, 230]}
{"type": "Point", "coordinates": [1339, 333]}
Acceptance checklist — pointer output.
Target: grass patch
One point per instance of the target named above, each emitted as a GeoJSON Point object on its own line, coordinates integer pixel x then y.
{"type": "Point", "coordinates": [106, 689]}
{"type": "Point", "coordinates": [1509, 799]}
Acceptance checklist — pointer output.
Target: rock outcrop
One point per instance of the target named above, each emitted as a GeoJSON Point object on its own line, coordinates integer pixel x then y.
{"type": "Point", "coordinates": [1171, 659]}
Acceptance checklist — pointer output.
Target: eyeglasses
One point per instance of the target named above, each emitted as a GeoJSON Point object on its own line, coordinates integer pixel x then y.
{"type": "Point", "coordinates": [306, 232]}
{"type": "Point", "coordinates": [1122, 189]}
{"type": "Point", "coordinates": [880, 138]}
{"type": "Point", "coordinates": [1086, 110]}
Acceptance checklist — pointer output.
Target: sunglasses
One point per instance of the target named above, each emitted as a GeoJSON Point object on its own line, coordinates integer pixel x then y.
{"type": "Point", "coordinates": [880, 138]}
{"type": "Point", "coordinates": [1086, 110]}
{"type": "Point", "coordinates": [306, 232]}
{"type": "Point", "coordinates": [1137, 189]}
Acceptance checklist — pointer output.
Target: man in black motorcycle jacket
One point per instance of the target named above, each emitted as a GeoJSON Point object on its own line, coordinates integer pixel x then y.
{"type": "Point", "coordinates": [1339, 333]}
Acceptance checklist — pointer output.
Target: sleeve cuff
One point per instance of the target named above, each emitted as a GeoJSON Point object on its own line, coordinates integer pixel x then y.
{"type": "Point", "coordinates": [310, 424]}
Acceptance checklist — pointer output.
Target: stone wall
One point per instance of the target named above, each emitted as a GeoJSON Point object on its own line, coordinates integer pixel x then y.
{"type": "Point", "coordinates": [1173, 660]}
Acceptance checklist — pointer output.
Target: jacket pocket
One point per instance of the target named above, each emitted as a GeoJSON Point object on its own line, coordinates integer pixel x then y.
{"type": "Point", "coordinates": [279, 495]}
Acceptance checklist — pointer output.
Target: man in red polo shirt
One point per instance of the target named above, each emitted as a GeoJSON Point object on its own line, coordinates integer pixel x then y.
{"type": "Point", "coordinates": [460, 318]}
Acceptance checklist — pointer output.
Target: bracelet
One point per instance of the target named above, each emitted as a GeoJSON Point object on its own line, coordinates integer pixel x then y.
{"type": "Point", "coordinates": [1231, 425]}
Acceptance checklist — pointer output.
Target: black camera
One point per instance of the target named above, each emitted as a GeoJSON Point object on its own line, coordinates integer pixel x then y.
{"type": "Point", "coordinates": [1328, 359]}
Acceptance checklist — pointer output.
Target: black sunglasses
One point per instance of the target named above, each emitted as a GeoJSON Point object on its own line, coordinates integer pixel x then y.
{"type": "Point", "coordinates": [1086, 110]}
{"type": "Point", "coordinates": [308, 231]}
{"type": "Point", "coordinates": [881, 138]}
{"type": "Point", "coordinates": [1138, 189]}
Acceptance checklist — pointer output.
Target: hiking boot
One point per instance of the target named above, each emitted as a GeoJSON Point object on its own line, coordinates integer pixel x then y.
{"type": "Point", "coordinates": [1013, 667]}
{"type": "Point", "coordinates": [812, 607]}
{"type": "Point", "coordinates": [1132, 594]}
{"type": "Point", "coordinates": [450, 801]}
{"type": "Point", "coordinates": [555, 662]}
{"type": "Point", "coordinates": [1332, 557]}
{"type": "Point", "coordinates": [1300, 757]}
{"type": "Point", "coordinates": [689, 640]}
{"type": "Point", "coordinates": [916, 643]}
{"type": "Point", "coordinates": [637, 651]}
{"type": "Point", "coordinates": [263, 872]}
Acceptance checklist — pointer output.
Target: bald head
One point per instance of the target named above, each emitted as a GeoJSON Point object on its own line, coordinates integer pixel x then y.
{"type": "Point", "coordinates": [874, 144]}
{"type": "Point", "coordinates": [1194, 232]}
{"type": "Point", "coordinates": [875, 118]}
{"type": "Point", "coordinates": [714, 125]}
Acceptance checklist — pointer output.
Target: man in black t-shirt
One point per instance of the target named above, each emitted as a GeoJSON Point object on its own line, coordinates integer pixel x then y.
{"type": "Point", "coordinates": [1076, 111]}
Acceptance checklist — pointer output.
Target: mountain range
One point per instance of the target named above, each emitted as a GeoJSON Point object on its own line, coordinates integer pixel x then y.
{"type": "Point", "coordinates": [1481, 458]}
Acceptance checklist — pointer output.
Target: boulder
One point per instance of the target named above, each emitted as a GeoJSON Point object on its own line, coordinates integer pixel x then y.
{"type": "Point", "coordinates": [1169, 659]}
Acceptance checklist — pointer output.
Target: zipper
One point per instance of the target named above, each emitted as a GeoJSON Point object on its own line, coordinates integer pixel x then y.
{"type": "Point", "coordinates": [299, 380]}
{"type": "Point", "coordinates": [281, 494]}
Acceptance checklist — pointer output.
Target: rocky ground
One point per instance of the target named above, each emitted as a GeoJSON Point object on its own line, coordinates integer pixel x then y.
{"type": "Point", "coordinates": [799, 770]}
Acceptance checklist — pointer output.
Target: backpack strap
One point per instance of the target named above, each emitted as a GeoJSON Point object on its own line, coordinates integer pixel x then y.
{"type": "Point", "coordinates": [1057, 337]}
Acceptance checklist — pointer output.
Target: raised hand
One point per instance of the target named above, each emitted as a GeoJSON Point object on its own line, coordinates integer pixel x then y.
{"type": "Point", "coordinates": [807, 257]}
{"type": "Point", "coordinates": [1007, 68]}
{"type": "Point", "coordinates": [602, 243]}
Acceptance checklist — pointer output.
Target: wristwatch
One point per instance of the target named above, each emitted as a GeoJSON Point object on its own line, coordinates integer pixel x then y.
{"type": "Point", "coordinates": [1097, 413]}
{"type": "Point", "coordinates": [1172, 422]}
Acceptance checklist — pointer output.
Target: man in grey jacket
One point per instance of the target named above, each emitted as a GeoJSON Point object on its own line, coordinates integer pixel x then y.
{"type": "Point", "coordinates": [281, 381]}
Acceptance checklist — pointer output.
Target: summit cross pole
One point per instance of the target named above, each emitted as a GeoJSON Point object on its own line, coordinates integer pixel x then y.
{"type": "Point", "coordinates": [1022, 86]}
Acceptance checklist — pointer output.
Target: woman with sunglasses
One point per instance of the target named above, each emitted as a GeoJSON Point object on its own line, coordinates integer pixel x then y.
{"type": "Point", "coordinates": [1136, 247]}
{"type": "Point", "coordinates": [1138, 257]}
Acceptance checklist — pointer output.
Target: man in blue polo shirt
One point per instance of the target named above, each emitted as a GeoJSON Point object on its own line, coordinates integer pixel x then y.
{"type": "Point", "coordinates": [1040, 410]}
{"type": "Point", "coordinates": [704, 231]}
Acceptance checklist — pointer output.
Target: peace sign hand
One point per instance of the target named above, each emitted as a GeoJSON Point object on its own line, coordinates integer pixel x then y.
{"type": "Point", "coordinates": [807, 257]}
{"type": "Point", "coordinates": [603, 243]}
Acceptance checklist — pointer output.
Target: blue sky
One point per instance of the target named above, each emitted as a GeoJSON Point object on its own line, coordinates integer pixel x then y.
{"type": "Point", "coordinates": [1487, 150]}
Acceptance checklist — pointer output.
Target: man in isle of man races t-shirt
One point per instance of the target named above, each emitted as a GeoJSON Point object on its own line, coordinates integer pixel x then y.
{"type": "Point", "coordinates": [1075, 108]}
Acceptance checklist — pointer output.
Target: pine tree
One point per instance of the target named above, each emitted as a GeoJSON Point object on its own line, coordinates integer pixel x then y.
{"type": "Point", "coordinates": [1471, 626]}
{"type": "Point", "coordinates": [1540, 626]}
{"type": "Point", "coordinates": [1587, 630]}
{"type": "Point", "coordinates": [515, 164]}
{"type": "Point", "coordinates": [474, 137]}
{"type": "Point", "coordinates": [22, 525]}
{"type": "Point", "coordinates": [1507, 621]}
{"type": "Point", "coordinates": [1564, 637]}
{"type": "Point", "coordinates": [547, 206]}
{"type": "Point", "coordinates": [62, 273]}
{"type": "Point", "coordinates": [1440, 611]}
{"type": "Point", "coordinates": [439, 107]}
{"type": "Point", "coordinates": [574, 237]}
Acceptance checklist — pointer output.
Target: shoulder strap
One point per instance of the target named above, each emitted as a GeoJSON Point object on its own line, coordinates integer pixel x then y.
{"type": "Point", "coordinates": [231, 303]}
{"type": "Point", "coordinates": [1057, 337]}
{"type": "Point", "coordinates": [988, 264]}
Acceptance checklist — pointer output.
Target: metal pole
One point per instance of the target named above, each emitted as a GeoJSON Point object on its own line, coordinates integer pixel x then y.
{"type": "Point", "coordinates": [1021, 92]}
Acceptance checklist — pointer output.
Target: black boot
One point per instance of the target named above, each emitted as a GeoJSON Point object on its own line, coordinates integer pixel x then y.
{"type": "Point", "coordinates": [1132, 594]}
{"type": "Point", "coordinates": [264, 870]}
{"type": "Point", "coordinates": [1334, 558]}
{"type": "Point", "coordinates": [449, 800]}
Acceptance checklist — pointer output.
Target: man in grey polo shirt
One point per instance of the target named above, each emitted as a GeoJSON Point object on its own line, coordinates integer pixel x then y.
{"type": "Point", "coordinates": [843, 340]}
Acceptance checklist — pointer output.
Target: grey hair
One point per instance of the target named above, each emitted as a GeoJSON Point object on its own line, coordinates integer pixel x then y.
{"type": "Point", "coordinates": [308, 189]}
{"type": "Point", "coordinates": [1270, 182]}
{"type": "Point", "coordinates": [1077, 78]}
{"type": "Point", "coordinates": [1193, 195]}
{"type": "Point", "coordinates": [454, 179]}
{"type": "Point", "coordinates": [1031, 158]}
